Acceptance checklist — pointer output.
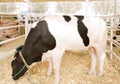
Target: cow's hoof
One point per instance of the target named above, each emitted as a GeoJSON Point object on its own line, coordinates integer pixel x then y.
{"type": "Point", "coordinates": [100, 74]}
{"type": "Point", "coordinates": [48, 73]}
{"type": "Point", "coordinates": [92, 72]}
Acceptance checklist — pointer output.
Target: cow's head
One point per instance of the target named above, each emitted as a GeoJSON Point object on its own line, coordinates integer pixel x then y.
{"type": "Point", "coordinates": [18, 66]}
{"type": "Point", "coordinates": [38, 41]}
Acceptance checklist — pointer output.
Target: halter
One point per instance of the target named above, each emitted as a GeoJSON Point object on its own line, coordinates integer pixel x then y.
{"type": "Point", "coordinates": [23, 59]}
{"type": "Point", "coordinates": [25, 65]}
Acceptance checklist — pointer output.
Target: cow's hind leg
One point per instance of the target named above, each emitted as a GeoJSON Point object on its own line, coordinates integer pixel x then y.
{"type": "Point", "coordinates": [101, 57]}
{"type": "Point", "coordinates": [92, 52]}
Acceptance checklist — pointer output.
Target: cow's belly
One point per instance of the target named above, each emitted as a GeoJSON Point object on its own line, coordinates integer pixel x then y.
{"type": "Point", "coordinates": [75, 45]}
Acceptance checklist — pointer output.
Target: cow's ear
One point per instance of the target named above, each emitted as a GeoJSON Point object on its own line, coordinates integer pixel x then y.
{"type": "Point", "coordinates": [19, 48]}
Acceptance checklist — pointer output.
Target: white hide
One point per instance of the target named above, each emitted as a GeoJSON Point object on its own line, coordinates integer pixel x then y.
{"type": "Point", "coordinates": [68, 38]}
{"type": "Point", "coordinates": [67, 31]}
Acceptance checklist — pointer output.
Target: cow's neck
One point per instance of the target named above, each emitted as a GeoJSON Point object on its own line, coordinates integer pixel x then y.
{"type": "Point", "coordinates": [31, 58]}
{"type": "Point", "coordinates": [27, 59]}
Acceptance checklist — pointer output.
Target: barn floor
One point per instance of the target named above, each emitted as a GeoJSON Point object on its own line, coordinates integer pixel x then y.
{"type": "Point", "coordinates": [74, 69]}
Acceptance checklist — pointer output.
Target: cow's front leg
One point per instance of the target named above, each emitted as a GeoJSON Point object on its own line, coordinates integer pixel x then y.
{"type": "Point", "coordinates": [56, 57]}
{"type": "Point", "coordinates": [50, 67]}
{"type": "Point", "coordinates": [56, 69]}
{"type": "Point", "coordinates": [48, 56]}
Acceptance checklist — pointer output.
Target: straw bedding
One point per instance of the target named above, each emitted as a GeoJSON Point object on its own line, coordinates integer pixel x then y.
{"type": "Point", "coordinates": [74, 70]}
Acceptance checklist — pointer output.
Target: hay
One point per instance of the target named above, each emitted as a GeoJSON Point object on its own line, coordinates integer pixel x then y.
{"type": "Point", "coordinates": [74, 70]}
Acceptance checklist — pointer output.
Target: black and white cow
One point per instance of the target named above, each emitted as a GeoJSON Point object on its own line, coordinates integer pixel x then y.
{"type": "Point", "coordinates": [51, 36]}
